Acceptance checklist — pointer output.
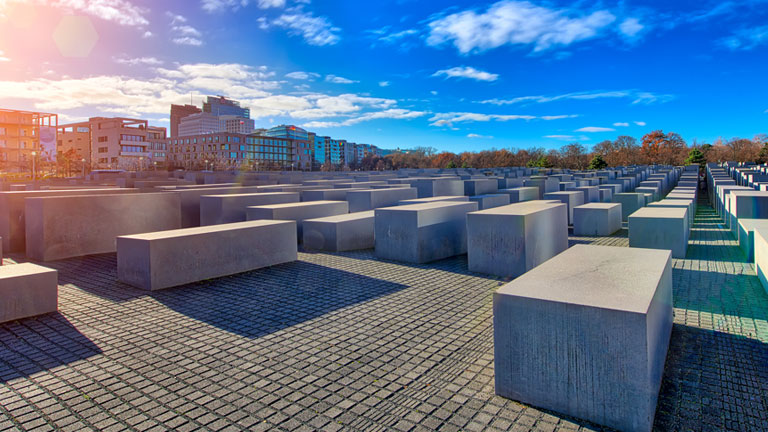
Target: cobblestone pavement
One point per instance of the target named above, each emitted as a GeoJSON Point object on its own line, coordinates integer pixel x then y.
{"type": "Point", "coordinates": [345, 341]}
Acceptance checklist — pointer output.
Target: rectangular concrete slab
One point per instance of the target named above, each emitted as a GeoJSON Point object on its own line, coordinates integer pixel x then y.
{"type": "Point", "coordinates": [421, 233]}
{"type": "Point", "coordinates": [596, 219]}
{"type": "Point", "coordinates": [660, 228]}
{"type": "Point", "coordinates": [27, 290]}
{"type": "Point", "coordinates": [586, 334]}
{"type": "Point", "coordinates": [347, 232]}
{"type": "Point", "coordinates": [507, 241]}
{"type": "Point", "coordinates": [159, 260]}
{"type": "Point", "coordinates": [72, 226]}
{"type": "Point", "coordinates": [229, 208]}
{"type": "Point", "coordinates": [364, 200]}
{"type": "Point", "coordinates": [298, 212]}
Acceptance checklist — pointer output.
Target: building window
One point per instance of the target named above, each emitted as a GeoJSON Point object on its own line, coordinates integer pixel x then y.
{"type": "Point", "coordinates": [103, 149]}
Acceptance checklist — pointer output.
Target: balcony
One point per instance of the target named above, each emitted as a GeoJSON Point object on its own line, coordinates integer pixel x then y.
{"type": "Point", "coordinates": [136, 154]}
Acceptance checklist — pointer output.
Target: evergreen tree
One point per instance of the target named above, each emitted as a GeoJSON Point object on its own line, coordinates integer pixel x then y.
{"type": "Point", "coordinates": [597, 162]}
{"type": "Point", "coordinates": [696, 157]}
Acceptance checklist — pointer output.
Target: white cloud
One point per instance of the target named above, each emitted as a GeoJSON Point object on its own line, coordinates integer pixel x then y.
{"type": "Point", "coordinates": [122, 12]}
{"type": "Point", "coordinates": [621, 124]}
{"type": "Point", "coordinates": [477, 136]}
{"type": "Point", "coordinates": [631, 27]}
{"type": "Point", "coordinates": [148, 61]}
{"type": "Point", "coordinates": [645, 98]}
{"type": "Point", "coordinates": [299, 75]}
{"type": "Point", "coordinates": [568, 137]}
{"type": "Point", "coordinates": [516, 23]}
{"type": "Point", "coordinates": [187, 41]}
{"type": "Point", "coordinates": [449, 118]}
{"type": "Point", "coordinates": [746, 39]}
{"type": "Point", "coordinates": [466, 72]}
{"type": "Point", "coordinates": [3, 58]}
{"type": "Point", "coordinates": [183, 34]}
{"type": "Point", "coordinates": [341, 105]}
{"type": "Point", "coordinates": [384, 83]}
{"type": "Point", "coordinates": [640, 123]}
{"type": "Point", "coordinates": [316, 30]}
{"type": "Point", "coordinates": [339, 80]}
{"type": "Point", "coordinates": [147, 34]}
{"type": "Point", "coordinates": [221, 5]}
{"type": "Point", "coordinates": [433, 92]}
{"type": "Point", "coordinates": [593, 129]}
{"type": "Point", "coordinates": [395, 113]}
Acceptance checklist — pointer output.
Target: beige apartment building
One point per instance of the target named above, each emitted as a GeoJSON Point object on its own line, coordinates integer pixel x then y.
{"type": "Point", "coordinates": [24, 135]}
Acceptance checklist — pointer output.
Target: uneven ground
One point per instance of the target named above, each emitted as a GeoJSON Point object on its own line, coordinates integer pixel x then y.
{"type": "Point", "coordinates": [345, 341]}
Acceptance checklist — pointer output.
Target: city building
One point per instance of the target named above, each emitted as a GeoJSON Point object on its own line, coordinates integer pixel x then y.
{"type": "Point", "coordinates": [227, 150]}
{"type": "Point", "coordinates": [25, 132]}
{"type": "Point", "coordinates": [304, 148]}
{"type": "Point", "coordinates": [178, 112]}
{"type": "Point", "coordinates": [199, 124]}
{"type": "Point", "coordinates": [114, 142]}
{"type": "Point", "coordinates": [222, 106]}
{"type": "Point", "coordinates": [237, 124]}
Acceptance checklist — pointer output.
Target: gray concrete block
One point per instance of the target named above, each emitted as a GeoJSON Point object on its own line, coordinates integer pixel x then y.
{"type": "Point", "coordinates": [460, 198]}
{"type": "Point", "coordinates": [596, 219]}
{"type": "Point", "coordinates": [521, 194]}
{"type": "Point", "coordinates": [586, 334]}
{"type": "Point", "coordinates": [27, 290]}
{"type": "Point", "coordinates": [364, 200]}
{"type": "Point", "coordinates": [660, 228]}
{"type": "Point", "coordinates": [761, 256]}
{"type": "Point", "coordinates": [545, 184]}
{"type": "Point", "coordinates": [630, 203]}
{"type": "Point", "coordinates": [326, 194]}
{"type": "Point", "coordinates": [298, 212]}
{"type": "Point", "coordinates": [347, 232]}
{"type": "Point", "coordinates": [591, 193]}
{"type": "Point", "coordinates": [421, 233]}
{"type": "Point", "coordinates": [72, 226]}
{"type": "Point", "coordinates": [746, 235]}
{"type": "Point", "coordinates": [507, 241]}
{"type": "Point", "coordinates": [490, 200]}
{"type": "Point", "coordinates": [570, 198]}
{"type": "Point", "coordinates": [159, 260]}
{"type": "Point", "coordinates": [474, 187]}
{"type": "Point", "coordinates": [436, 187]}
{"type": "Point", "coordinates": [229, 208]}
{"type": "Point", "coordinates": [12, 216]}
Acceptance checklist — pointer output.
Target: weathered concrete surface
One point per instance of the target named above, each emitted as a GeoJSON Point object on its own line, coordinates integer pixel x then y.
{"type": "Point", "coordinates": [421, 233]}
{"type": "Point", "coordinates": [460, 198]}
{"type": "Point", "coordinates": [660, 228]}
{"type": "Point", "coordinates": [507, 241]}
{"type": "Point", "coordinates": [71, 226]}
{"type": "Point", "coordinates": [596, 219]}
{"type": "Point", "coordinates": [347, 232]}
{"type": "Point", "coordinates": [364, 200]}
{"type": "Point", "coordinates": [490, 200]}
{"type": "Point", "coordinates": [570, 198]}
{"type": "Point", "coordinates": [159, 260]}
{"type": "Point", "coordinates": [586, 334]}
{"type": "Point", "coordinates": [298, 212]}
{"type": "Point", "coordinates": [229, 208]}
{"type": "Point", "coordinates": [27, 290]}
{"type": "Point", "coordinates": [630, 203]}
{"type": "Point", "coordinates": [521, 194]}
{"type": "Point", "coordinates": [13, 222]}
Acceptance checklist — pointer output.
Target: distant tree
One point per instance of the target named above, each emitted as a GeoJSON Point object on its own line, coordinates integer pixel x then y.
{"type": "Point", "coordinates": [573, 156]}
{"type": "Point", "coordinates": [597, 162]}
{"type": "Point", "coordinates": [762, 157]}
{"type": "Point", "coordinates": [696, 157]}
{"type": "Point", "coordinates": [450, 165]}
{"type": "Point", "coordinates": [540, 162]}
{"type": "Point", "coordinates": [464, 165]}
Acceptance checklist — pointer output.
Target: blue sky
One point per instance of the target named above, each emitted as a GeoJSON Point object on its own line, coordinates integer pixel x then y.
{"type": "Point", "coordinates": [456, 76]}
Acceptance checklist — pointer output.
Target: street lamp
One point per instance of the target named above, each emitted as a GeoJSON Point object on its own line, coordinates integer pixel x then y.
{"type": "Point", "coordinates": [34, 156]}
{"type": "Point", "coordinates": [83, 161]}
{"type": "Point", "coordinates": [206, 165]}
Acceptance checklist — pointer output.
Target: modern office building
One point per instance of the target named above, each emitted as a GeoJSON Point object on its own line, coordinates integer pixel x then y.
{"type": "Point", "coordinates": [25, 132]}
{"type": "Point", "coordinates": [199, 124]}
{"type": "Point", "coordinates": [227, 150]}
{"type": "Point", "coordinates": [114, 142]}
{"type": "Point", "coordinates": [237, 124]}
{"type": "Point", "coordinates": [178, 112]}
{"type": "Point", "coordinates": [222, 106]}
{"type": "Point", "coordinates": [304, 148]}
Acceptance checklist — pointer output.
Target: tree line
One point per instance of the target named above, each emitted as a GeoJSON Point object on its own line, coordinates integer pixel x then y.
{"type": "Point", "coordinates": [656, 147]}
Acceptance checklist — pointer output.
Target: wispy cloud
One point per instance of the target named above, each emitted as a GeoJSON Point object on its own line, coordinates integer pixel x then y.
{"type": "Point", "coordinates": [339, 80]}
{"type": "Point", "coordinates": [640, 123]}
{"type": "Point", "coordinates": [631, 28]}
{"type": "Point", "coordinates": [299, 75]}
{"type": "Point", "coordinates": [222, 5]}
{"type": "Point", "coordinates": [182, 33]}
{"type": "Point", "coordinates": [3, 58]}
{"type": "Point", "coordinates": [316, 30]}
{"type": "Point", "coordinates": [621, 124]}
{"type": "Point", "coordinates": [478, 136]}
{"type": "Point", "coordinates": [384, 83]}
{"type": "Point", "coordinates": [638, 97]}
{"type": "Point", "coordinates": [466, 72]}
{"type": "Point", "coordinates": [568, 137]}
{"type": "Point", "coordinates": [746, 39]}
{"type": "Point", "coordinates": [147, 61]}
{"type": "Point", "coordinates": [595, 129]}
{"type": "Point", "coordinates": [510, 22]}
{"type": "Point", "coordinates": [449, 118]}
{"type": "Point", "coordinates": [123, 12]}
{"type": "Point", "coordinates": [395, 113]}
